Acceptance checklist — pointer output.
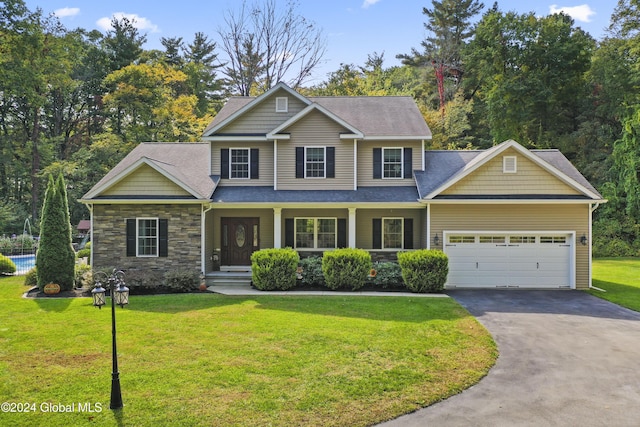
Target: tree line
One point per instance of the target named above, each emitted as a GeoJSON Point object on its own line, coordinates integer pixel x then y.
{"type": "Point", "coordinates": [75, 102]}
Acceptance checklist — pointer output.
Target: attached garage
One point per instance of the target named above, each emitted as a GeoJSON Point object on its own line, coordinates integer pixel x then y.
{"type": "Point", "coordinates": [510, 259]}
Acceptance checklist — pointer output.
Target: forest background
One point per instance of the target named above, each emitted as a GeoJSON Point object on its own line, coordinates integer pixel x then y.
{"type": "Point", "coordinates": [76, 102]}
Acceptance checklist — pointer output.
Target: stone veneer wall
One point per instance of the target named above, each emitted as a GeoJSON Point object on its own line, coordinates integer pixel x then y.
{"type": "Point", "coordinates": [376, 256]}
{"type": "Point", "coordinates": [109, 239]}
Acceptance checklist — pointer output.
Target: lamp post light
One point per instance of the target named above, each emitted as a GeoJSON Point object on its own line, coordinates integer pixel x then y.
{"type": "Point", "coordinates": [119, 295]}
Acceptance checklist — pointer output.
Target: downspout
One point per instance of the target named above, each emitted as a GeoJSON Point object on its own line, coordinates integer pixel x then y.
{"type": "Point", "coordinates": [203, 227]}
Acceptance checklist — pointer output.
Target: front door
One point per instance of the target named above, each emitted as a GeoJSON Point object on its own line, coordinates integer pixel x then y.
{"type": "Point", "coordinates": [240, 238]}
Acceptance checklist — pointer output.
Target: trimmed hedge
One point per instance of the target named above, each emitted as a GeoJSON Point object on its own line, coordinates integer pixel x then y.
{"type": "Point", "coordinates": [424, 270]}
{"type": "Point", "coordinates": [273, 269]}
{"type": "Point", "coordinates": [7, 266]}
{"type": "Point", "coordinates": [346, 268]}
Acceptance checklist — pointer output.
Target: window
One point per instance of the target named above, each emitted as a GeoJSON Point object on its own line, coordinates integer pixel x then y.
{"type": "Point", "coordinates": [392, 233]}
{"type": "Point", "coordinates": [493, 239]}
{"type": "Point", "coordinates": [392, 163]}
{"type": "Point", "coordinates": [239, 163]}
{"type": "Point", "coordinates": [553, 239]}
{"type": "Point", "coordinates": [314, 162]}
{"type": "Point", "coordinates": [522, 239]}
{"type": "Point", "coordinates": [462, 239]}
{"type": "Point", "coordinates": [147, 237]}
{"type": "Point", "coordinates": [509, 164]}
{"type": "Point", "coordinates": [315, 233]}
{"type": "Point", "coordinates": [282, 104]}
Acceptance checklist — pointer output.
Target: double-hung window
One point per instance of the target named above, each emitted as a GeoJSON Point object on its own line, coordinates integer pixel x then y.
{"type": "Point", "coordinates": [147, 237]}
{"type": "Point", "coordinates": [392, 233]}
{"type": "Point", "coordinates": [312, 233]}
{"type": "Point", "coordinates": [239, 163]}
{"type": "Point", "coordinates": [314, 162]}
{"type": "Point", "coordinates": [392, 163]}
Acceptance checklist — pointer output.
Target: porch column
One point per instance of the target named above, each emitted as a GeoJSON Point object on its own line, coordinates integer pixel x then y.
{"type": "Point", "coordinates": [352, 227]}
{"type": "Point", "coordinates": [277, 227]}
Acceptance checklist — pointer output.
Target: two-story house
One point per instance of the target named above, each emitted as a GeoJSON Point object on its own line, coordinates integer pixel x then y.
{"type": "Point", "coordinates": [318, 173]}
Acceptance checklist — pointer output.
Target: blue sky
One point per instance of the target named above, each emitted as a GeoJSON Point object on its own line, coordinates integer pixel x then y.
{"type": "Point", "coordinates": [353, 28]}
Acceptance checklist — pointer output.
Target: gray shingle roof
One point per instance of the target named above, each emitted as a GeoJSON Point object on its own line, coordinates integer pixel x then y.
{"type": "Point", "coordinates": [269, 195]}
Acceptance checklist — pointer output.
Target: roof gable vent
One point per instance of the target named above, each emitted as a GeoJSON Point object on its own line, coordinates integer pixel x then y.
{"type": "Point", "coordinates": [282, 104]}
{"type": "Point", "coordinates": [509, 164]}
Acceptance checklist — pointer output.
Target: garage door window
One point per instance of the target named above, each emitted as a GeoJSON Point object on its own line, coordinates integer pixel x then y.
{"type": "Point", "coordinates": [493, 239]}
{"type": "Point", "coordinates": [522, 239]}
{"type": "Point", "coordinates": [553, 239]}
{"type": "Point", "coordinates": [462, 239]}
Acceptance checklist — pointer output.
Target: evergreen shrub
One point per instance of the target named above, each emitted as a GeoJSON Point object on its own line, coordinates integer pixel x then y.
{"type": "Point", "coordinates": [312, 271]}
{"type": "Point", "coordinates": [346, 268]}
{"type": "Point", "coordinates": [274, 269]}
{"type": "Point", "coordinates": [31, 278]}
{"type": "Point", "coordinates": [424, 270]}
{"type": "Point", "coordinates": [181, 280]}
{"type": "Point", "coordinates": [7, 266]}
{"type": "Point", "coordinates": [387, 275]}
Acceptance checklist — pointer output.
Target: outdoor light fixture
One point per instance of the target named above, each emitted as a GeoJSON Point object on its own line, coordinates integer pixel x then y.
{"type": "Point", "coordinates": [436, 240]}
{"type": "Point", "coordinates": [120, 296]}
{"type": "Point", "coordinates": [583, 240]}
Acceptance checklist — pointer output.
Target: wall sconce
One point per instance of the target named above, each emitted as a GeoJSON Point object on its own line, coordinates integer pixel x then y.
{"type": "Point", "coordinates": [436, 240]}
{"type": "Point", "coordinates": [583, 240]}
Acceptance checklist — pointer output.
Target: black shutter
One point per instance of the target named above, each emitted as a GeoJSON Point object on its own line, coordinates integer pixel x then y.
{"type": "Point", "coordinates": [377, 233]}
{"type": "Point", "coordinates": [289, 233]}
{"type": "Point", "coordinates": [408, 167]}
{"type": "Point", "coordinates": [253, 174]}
{"type": "Point", "coordinates": [408, 233]}
{"type": "Point", "coordinates": [299, 162]}
{"type": "Point", "coordinates": [331, 162]}
{"type": "Point", "coordinates": [163, 232]}
{"type": "Point", "coordinates": [377, 163]}
{"type": "Point", "coordinates": [131, 237]}
{"type": "Point", "coordinates": [342, 233]}
{"type": "Point", "coordinates": [224, 163]}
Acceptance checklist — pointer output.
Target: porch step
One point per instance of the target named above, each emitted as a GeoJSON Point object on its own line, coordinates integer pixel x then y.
{"type": "Point", "coordinates": [228, 278]}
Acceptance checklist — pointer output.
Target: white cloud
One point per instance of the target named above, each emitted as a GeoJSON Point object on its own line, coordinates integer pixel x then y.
{"type": "Point", "coordinates": [368, 3]}
{"type": "Point", "coordinates": [580, 13]}
{"type": "Point", "coordinates": [142, 24]}
{"type": "Point", "coordinates": [66, 12]}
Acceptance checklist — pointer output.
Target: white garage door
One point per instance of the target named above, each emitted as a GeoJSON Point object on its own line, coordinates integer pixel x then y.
{"type": "Point", "coordinates": [524, 260]}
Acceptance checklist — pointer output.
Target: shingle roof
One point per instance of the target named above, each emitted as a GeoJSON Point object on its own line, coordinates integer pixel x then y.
{"type": "Point", "coordinates": [186, 163]}
{"type": "Point", "coordinates": [269, 195]}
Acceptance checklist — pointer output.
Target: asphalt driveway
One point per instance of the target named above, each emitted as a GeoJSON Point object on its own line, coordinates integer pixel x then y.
{"type": "Point", "coordinates": [566, 359]}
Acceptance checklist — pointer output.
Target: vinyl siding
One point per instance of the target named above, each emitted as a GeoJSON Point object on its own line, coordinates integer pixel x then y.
{"type": "Point", "coordinates": [529, 179]}
{"type": "Point", "coordinates": [265, 166]}
{"type": "Point", "coordinates": [364, 224]}
{"type": "Point", "coordinates": [518, 218]}
{"type": "Point", "coordinates": [145, 181]}
{"type": "Point", "coordinates": [263, 117]}
{"type": "Point", "coordinates": [365, 162]}
{"type": "Point", "coordinates": [316, 130]}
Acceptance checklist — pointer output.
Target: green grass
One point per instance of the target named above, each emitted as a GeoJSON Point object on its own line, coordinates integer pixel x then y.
{"type": "Point", "coordinates": [619, 277]}
{"type": "Point", "coordinates": [207, 359]}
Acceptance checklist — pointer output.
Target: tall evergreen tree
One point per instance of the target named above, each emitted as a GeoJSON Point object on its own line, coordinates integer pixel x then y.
{"type": "Point", "coordinates": [55, 260]}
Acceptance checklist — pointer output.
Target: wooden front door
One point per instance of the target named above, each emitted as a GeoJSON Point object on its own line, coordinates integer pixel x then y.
{"type": "Point", "coordinates": [240, 238]}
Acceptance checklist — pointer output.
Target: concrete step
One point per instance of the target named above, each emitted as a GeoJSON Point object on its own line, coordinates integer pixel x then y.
{"type": "Point", "coordinates": [228, 278]}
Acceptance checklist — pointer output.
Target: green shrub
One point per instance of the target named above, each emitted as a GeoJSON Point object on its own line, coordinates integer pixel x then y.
{"type": "Point", "coordinates": [387, 275]}
{"type": "Point", "coordinates": [6, 245]}
{"type": "Point", "coordinates": [140, 281]}
{"type": "Point", "coordinates": [84, 253]}
{"type": "Point", "coordinates": [613, 248]}
{"type": "Point", "coordinates": [346, 268]}
{"type": "Point", "coordinates": [274, 269]}
{"type": "Point", "coordinates": [7, 266]}
{"type": "Point", "coordinates": [312, 271]}
{"type": "Point", "coordinates": [181, 280]}
{"type": "Point", "coordinates": [24, 243]}
{"type": "Point", "coordinates": [424, 270]}
{"type": "Point", "coordinates": [31, 278]}
{"type": "Point", "coordinates": [83, 276]}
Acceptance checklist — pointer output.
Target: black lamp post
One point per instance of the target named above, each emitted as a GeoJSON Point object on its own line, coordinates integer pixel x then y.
{"type": "Point", "coordinates": [120, 296]}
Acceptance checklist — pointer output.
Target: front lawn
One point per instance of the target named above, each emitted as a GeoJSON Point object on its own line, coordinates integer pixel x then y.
{"type": "Point", "coordinates": [620, 278]}
{"type": "Point", "coordinates": [206, 359]}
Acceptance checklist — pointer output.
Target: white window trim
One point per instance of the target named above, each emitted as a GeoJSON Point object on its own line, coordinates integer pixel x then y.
{"type": "Point", "coordinates": [509, 164]}
{"type": "Point", "coordinates": [231, 162]}
{"type": "Point", "coordinates": [324, 173]}
{"type": "Point", "coordinates": [388, 218]}
{"type": "Point", "coordinates": [401, 163]}
{"type": "Point", "coordinates": [315, 232]}
{"type": "Point", "coordinates": [157, 220]}
{"type": "Point", "coordinates": [282, 104]}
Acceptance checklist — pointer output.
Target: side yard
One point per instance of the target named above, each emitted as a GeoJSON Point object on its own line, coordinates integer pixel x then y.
{"type": "Point", "coordinates": [205, 359]}
{"type": "Point", "coordinates": [620, 278]}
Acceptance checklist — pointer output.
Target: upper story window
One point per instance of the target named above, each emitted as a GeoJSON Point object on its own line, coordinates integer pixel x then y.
{"type": "Point", "coordinates": [282, 104]}
{"type": "Point", "coordinates": [314, 161]}
{"type": "Point", "coordinates": [239, 163]}
{"type": "Point", "coordinates": [392, 163]}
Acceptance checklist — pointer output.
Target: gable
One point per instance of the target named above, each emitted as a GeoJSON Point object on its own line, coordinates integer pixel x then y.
{"type": "Point", "coordinates": [145, 181]}
{"type": "Point", "coordinates": [264, 117]}
{"type": "Point", "coordinates": [496, 177]}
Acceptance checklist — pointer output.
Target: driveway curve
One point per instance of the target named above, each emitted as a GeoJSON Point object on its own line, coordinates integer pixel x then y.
{"type": "Point", "coordinates": [566, 359]}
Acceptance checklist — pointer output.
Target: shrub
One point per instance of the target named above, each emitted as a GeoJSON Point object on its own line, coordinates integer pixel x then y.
{"type": "Point", "coordinates": [274, 269]}
{"type": "Point", "coordinates": [387, 275]}
{"type": "Point", "coordinates": [424, 270]}
{"type": "Point", "coordinates": [31, 278]}
{"type": "Point", "coordinates": [182, 280]}
{"type": "Point", "coordinates": [346, 268]}
{"type": "Point", "coordinates": [84, 253]}
{"type": "Point", "coordinates": [7, 266]}
{"type": "Point", "coordinates": [6, 245]}
{"type": "Point", "coordinates": [83, 276]}
{"type": "Point", "coordinates": [312, 271]}
{"type": "Point", "coordinates": [141, 281]}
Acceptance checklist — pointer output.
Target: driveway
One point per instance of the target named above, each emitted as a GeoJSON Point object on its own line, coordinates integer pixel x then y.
{"type": "Point", "coordinates": [566, 359]}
